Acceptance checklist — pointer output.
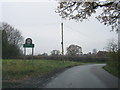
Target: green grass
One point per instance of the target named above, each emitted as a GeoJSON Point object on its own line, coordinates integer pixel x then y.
{"type": "Point", "coordinates": [9, 84]}
{"type": "Point", "coordinates": [113, 64]}
{"type": "Point", "coordinates": [22, 69]}
{"type": "Point", "coordinates": [112, 70]}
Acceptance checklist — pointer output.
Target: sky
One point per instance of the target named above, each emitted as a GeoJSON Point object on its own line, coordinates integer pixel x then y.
{"type": "Point", "coordinates": [39, 21]}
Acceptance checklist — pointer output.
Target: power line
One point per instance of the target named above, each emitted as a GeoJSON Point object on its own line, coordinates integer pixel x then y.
{"type": "Point", "coordinates": [94, 39]}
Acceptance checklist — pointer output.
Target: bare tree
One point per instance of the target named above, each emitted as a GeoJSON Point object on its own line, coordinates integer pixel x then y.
{"type": "Point", "coordinates": [80, 10]}
{"type": "Point", "coordinates": [11, 41]}
{"type": "Point", "coordinates": [74, 50]}
{"type": "Point", "coordinates": [55, 52]}
{"type": "Point", "coordinates": [112, 45]}
{"type": "Point", "coordinates": [13, 35]}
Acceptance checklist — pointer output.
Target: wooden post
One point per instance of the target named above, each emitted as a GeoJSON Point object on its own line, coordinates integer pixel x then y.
{"type": "Point", "coordinates": [32, 52]}
{"type": "Point", "coordinates": [119, 34]}
{"type": "Point", "coordinates": [62, 38]}
{"type": "Point", "coordinates": [32, 57]}
{"type": "Point", "coordinates": [0, 45]}
{"type": "Point", "coordinates": [24, 53]}
{"type": "Point", "coordinates": [62, 43]}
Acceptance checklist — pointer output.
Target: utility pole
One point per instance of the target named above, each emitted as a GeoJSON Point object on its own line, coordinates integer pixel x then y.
{"type": "Point", "coordinates": [62, 38]}
{"type": "Point", "coordinates": [24, 52]}
{"type": "Point", "coordinates": [119, 34]}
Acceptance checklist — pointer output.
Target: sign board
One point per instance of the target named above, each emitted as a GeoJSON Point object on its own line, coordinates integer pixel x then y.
{"type": "Point", "coordinates": [28, 43]}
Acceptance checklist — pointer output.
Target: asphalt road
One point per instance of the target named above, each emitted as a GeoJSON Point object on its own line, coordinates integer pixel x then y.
{"type": "Point", "coordinates": [84, 76]}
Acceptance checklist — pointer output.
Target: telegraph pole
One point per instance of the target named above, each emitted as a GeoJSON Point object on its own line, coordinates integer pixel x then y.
{"type": "Point", "coordinates": [62, 38]}
{"type": "Point", "coordinates": [119, 34]}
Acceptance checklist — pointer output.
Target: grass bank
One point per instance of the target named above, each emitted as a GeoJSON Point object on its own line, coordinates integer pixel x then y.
{"type": "Point", "coordinates": [112, 70]}
{"type": "Point", "coordinates": [21, 69]}
{"type": "Point", "coordinates": [113, 64]}
{"type": "Point", "coordinates": [16, 70]}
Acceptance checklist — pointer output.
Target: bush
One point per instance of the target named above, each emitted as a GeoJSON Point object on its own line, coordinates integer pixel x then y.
{"type": "Point", "coordinates": [113, 63]}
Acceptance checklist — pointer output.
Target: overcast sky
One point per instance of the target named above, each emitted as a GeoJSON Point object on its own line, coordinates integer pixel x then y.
{"type": "Point", "coordinates": [39, 21]}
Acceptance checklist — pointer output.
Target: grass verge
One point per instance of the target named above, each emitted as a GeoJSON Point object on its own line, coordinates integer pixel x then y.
{"type": "Point", "coordinates": [14, 71]}
{"type": "Point", "coordinates": [113, 71]}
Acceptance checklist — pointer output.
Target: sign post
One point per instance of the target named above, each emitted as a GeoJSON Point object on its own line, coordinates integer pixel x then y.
{"type": "Point", "coordinates": [24, 52]}
{"type": "Point", "coordinates": [28, 44]}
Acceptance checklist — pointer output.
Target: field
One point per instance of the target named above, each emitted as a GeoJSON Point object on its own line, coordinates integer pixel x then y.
{"type": "Point", "coordinates": [23, 69]}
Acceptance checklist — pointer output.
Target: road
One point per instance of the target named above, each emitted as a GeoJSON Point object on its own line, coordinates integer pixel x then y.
{"type": "Point", "coordinates": [84, 76]}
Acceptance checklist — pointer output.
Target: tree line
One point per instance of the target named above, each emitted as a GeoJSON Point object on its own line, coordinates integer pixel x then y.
{"type": "Point", "coordinates": [11, 41]}
{"type": "Point", "coordinates": [72, 50]}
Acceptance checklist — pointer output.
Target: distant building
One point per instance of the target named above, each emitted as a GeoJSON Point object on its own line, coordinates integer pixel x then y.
{"type": "Point", "coordinates": [102, 54]}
